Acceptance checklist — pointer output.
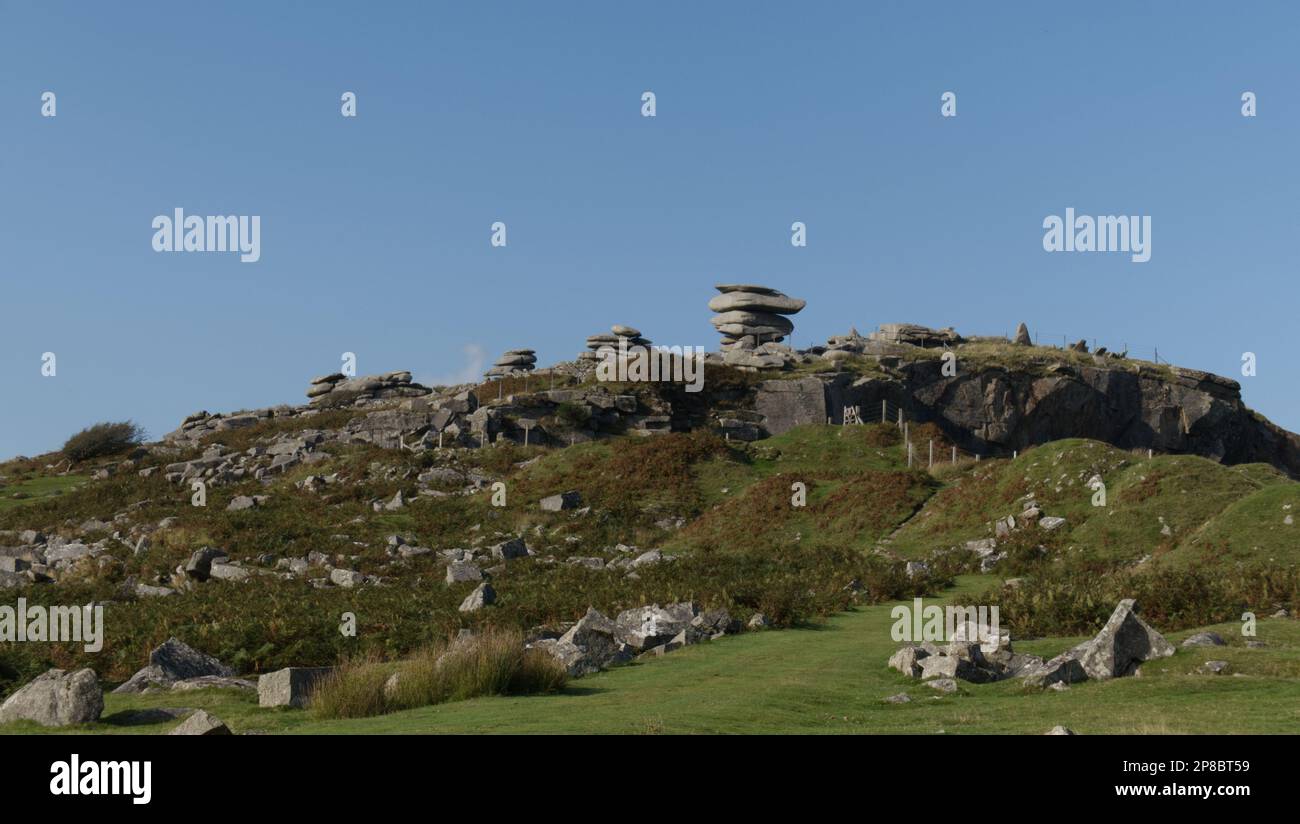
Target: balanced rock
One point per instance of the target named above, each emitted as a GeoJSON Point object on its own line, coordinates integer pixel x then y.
{"type": "Point", "coordinates": [749, 316]}
{"type": "Point", "coordinates": [513, 362]}
{"type": "Point", "coordinates": [607, 344]}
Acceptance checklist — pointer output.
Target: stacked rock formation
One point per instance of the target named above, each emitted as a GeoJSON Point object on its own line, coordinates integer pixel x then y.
{"type": "Point", "coordinates": [617, 334]}
{"type": "Point", "coordinates": [749, 316]}
{"type": "Point", "coordinates": [336, 389]}
{"type": "Point", "coordinates": [513, 362]}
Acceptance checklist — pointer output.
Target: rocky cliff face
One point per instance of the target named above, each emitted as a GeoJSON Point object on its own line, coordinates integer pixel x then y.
{"type": "Point", "coordinates": [993, 410]}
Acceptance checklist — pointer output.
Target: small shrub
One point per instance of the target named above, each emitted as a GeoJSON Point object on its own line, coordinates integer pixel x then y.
{"type": "Point", "coordinates": [102, 439]}
{"type": "Point", "coordinates": [574, 414]}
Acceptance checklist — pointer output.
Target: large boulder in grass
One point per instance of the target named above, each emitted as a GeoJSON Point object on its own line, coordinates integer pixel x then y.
{"type": "Point", "coordinates": [56, 699]}
{"type": "Point", "coordinates": [589, 646]}
{"type": "Point", "coordinates": [172, 661]}
{"type": "Point", "coordinates": [645, 627]}
{"type": "Point", "coordinates": [1123, 644]}
{"type": "Point", "coordinates": [289, 687]}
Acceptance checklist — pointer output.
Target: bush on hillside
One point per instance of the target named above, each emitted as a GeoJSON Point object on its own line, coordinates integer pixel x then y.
{"type": "Point", "coordinates": [102, 439]}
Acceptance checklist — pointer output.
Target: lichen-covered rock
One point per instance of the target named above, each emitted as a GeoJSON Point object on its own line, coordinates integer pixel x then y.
{"type": "Point", "coordinates": [56, 699]}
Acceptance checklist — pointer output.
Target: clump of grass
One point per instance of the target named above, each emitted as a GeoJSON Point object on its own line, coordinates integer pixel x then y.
{"type": "Point", "coordinates": [355, 689]}
{"type": "Point", "coordinates": [102, 439]}
{"type": "Point", "coordinates": [492, 662]}
{"type": "Point", "coordinates": [539, 673]}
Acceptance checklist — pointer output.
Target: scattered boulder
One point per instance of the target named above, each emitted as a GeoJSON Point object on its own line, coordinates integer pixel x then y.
{"type": "Point", "coordinates": [565, 500]}
{"type": "Point", "coordinates": [511, 549]}
{"type": "Point", "coordinates": [1204, 639]}
{"type": "Point", "coordinates": [900, 698]}
{"type": "Point", "coordinates": [199, 566]}
{"type": "Point", "coordinates": [908, 660]}
{"type": "Point", "coordinates": [459, 572]}
{"type": "Point", "coordinates": [56, 699]}
{"type": "Point", "coordinates": [289, 687]}
{"type": "Point", "coordinates": [482, 596]}
{"type": "Point", "coordinates": [173, 661]}
{"type": "Point", "coordinates": [1059, 730]}
{"type": "Point", "coordinates": [1125, 642]}
{"type": "Point", "coordinates": [645, 627]}
{"type": "Point", "coordinates": [201, 723]}
{"type": "Point", "coordinates": [346, 578]}
{"type": "Point", "coordinates": [589, 646]}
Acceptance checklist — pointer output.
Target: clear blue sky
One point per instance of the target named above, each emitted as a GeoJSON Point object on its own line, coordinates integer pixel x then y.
{"type": "Point", "coordinates": [375, 230]}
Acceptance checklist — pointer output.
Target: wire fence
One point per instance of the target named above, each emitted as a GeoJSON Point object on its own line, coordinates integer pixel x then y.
{"type": "Point", "coordinates": [926, 454]}
{"type": "Point", "coordinates": [1135, 351]}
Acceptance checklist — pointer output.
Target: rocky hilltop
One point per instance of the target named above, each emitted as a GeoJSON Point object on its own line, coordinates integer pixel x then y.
{"type": "Point", "coordinates": [990, 397]}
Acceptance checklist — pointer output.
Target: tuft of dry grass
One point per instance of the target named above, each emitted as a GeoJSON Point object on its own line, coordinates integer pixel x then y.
{"type": "Point", "coordinates": [491, 662]}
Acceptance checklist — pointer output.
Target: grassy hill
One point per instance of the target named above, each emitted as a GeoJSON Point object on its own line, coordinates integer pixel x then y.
{"type": "Point", "coordinates": [1196, 541]}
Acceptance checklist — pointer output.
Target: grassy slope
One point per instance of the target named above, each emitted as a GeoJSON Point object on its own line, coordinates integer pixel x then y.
{"type": "Point", "coordinates": [1234, 511]}
{"type": "Point", "coordinates": [829, 678]}
{"type": "Point", "coordinates": [33, 490]}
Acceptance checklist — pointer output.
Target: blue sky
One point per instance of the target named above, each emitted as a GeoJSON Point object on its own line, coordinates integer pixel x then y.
{"type": "Point", "coordinates": [375, 230]}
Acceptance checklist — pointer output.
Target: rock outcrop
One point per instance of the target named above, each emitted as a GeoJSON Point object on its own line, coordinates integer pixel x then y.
{"type": "Point", "coordinates": [340, 390]}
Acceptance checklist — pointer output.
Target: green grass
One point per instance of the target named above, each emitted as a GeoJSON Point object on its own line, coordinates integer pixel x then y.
{"type": "Point", "coordinates": [829, 678]}
{"type": "Point", "coordinates": [38, 489]}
